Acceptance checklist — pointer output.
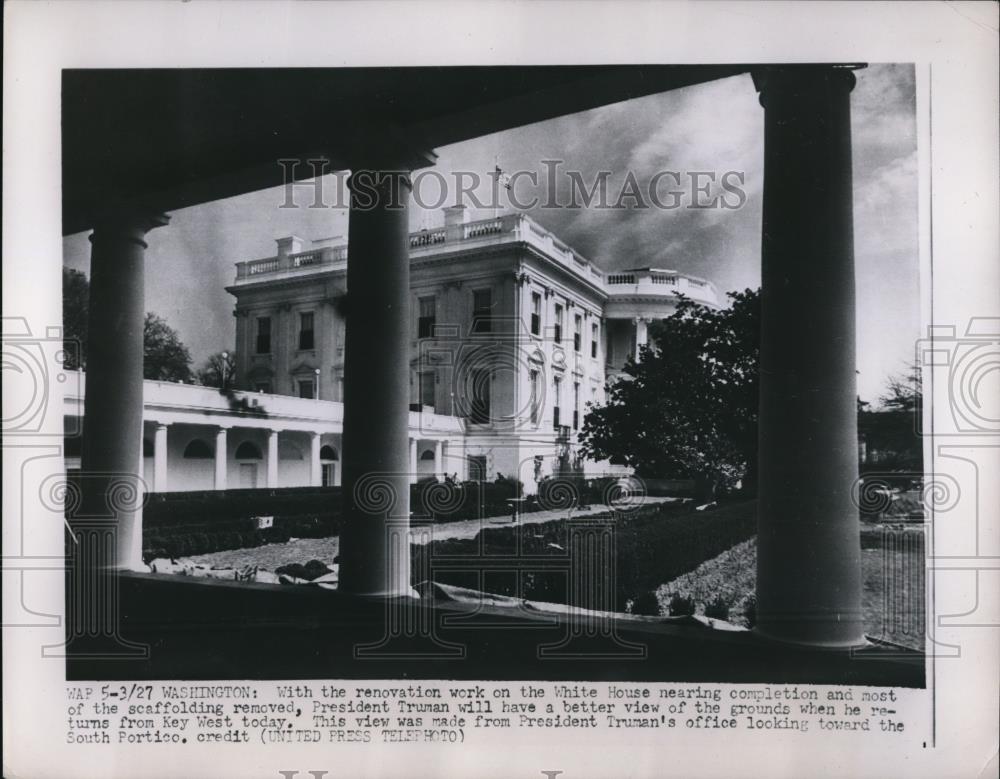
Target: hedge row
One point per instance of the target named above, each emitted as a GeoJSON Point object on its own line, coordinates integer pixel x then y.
{"type": "Point", "coordinates": [653, 545]}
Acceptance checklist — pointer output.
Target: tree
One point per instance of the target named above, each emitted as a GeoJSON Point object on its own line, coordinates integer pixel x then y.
{"type": "Point", "coordinates": [688, 408]}
{"type": "Point", "coordinates": [890, 432]}
{"type": "Point", "coordinates": [76, 309]}
{"type": "Point", "coordinates": [218, 370]}
{"type": "Point", "coordinates": [165, 358]}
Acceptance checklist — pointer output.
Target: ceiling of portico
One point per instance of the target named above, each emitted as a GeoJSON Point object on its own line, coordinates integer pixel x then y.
{"type": "Point", "coordinates": [170, 139]}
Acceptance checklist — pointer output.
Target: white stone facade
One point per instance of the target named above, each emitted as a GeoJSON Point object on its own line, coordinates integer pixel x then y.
{"type": "Point", "coordinates": [512, 335]}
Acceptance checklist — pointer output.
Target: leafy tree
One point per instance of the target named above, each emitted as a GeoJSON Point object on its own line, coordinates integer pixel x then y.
{"type": "Point", "coordinates": [218, 370]}
{"type": "Point", "coordinates": [165, 358]}
{"type": "Point", "coordinates": [890, 431]}
{"type": "Point", "coordinates": [688, 408]}
{"type": "Point", "coordinates": [76, 309]}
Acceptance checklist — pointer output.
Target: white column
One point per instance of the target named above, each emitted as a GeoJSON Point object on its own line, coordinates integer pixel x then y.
{"type": "Point", "coordinates": [160, 459]}
{"type": "Point", "coordinates": [221, 459]}
{"type": "Point", "coordinates": [439, 460]}
{"type": "Point", "coordinates": [641, 336]}
{"type": "Point", "coordinates": [444, 459]}
{"type": "Point", "coordinates": [272, 459]}
{"type": "Point", "coordinates": [315, 468]}
{"type": "Point", "coordinates": [413, 460]}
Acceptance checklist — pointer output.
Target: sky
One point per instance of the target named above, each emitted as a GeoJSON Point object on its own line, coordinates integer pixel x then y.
{"type": "Point", "coordinates": [710, 128]}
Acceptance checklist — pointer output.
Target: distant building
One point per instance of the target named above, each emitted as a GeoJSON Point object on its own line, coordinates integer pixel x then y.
{"type": "Point", "coordinates": [512, 334]}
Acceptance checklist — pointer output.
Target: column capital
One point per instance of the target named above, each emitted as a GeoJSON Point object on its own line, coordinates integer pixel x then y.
{"type": "Point", "coordinates": [162, 425]}
{"type": "Point", "coordinates": [222, 428]}
{"type": "Point", "coordinates": [804, 81]}
{"type": "Point", "coordinates": [126, 222]}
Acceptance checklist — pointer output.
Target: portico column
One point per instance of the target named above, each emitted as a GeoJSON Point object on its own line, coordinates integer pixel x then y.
{"type": "Point", "coordinates": [221, 459]}
{"type": "Point", "coordinates": [112, 439]}
{"type": "Point", "coordinates": [160, 458]}
{"type": "Point", "coordinates": [374, 544]}
{"type": "Point", "coordinates": [808, 564]}
{"type": "Point", "coordinates": [439, 460]}
{"type": "Point", "coordinates": [272, 459]}
{"type": "Point", "coordinates": [315, 467]}
{"type": "Point", "coordinates": [641, 336]}
{"type": "Point", "coordinates": [413, 461]}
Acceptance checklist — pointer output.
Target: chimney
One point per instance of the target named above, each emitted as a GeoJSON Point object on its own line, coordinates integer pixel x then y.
{"type": "Point", "coordinates": [454, 217]}
{"type": "Point", "coordinates": [290, 245]}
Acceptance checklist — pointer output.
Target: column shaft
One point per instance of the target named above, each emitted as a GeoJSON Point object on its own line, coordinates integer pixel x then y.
{"type": "Point", "coordinates": [808, 569]}
{"type": "Point", "coordinates": [272, 460]}
{"type": "Point", "coordinates": [413, 461]}
{"type": "Point", "coordinates": [112, 432]}
{"type": "Point", "coordinates": [315, 467]}
{"type": "Point", "coordinates": [221, 459]}
{"type": "Point", "coordinates": [439, 460]}
{"type": "Point", "coordinates": [160, 459]}
{"type": "Point", "coordinates": [374, 555]}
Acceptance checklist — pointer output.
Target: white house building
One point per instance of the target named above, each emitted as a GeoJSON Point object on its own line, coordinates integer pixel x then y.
{"type": "Point", "coordinates": [512, 335]}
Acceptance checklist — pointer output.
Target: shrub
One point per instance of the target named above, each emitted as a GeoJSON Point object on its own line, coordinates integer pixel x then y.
{"type": "Point", "coordinates": [681, 605]}
{"type": "Point", "coordinates": [647, 604]}
{"type": "Point", "coordinates": [718, 608]}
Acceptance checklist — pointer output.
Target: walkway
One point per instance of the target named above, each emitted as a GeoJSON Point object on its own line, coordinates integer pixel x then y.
{"type": "Point", "coordinates": [302, 550]}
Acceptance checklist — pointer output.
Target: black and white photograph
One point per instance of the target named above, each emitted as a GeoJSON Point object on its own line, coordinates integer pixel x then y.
{"type": "Point", "coordinates": [390, 401]}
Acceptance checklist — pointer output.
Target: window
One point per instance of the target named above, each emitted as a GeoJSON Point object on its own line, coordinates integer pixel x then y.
{"type": "Point", "coordinates": [594, 333]}
{"type": "Point", "coordinates": [577, 333]}
{"type": "Point", "coordinates": [536, 392]}
{"type": "Point", "coordinates": [559, 321]}
{"type": "Point", "coordinates": [263, 335]}
{"type": "Point", "coordinates": [482, 310]}
{"type": "Point", "coordinates": [556, 386]}
{"type": "Point", "coordinates": [480, 411]}
{"type": "Point", "coordinates": [306, 333]}
{"type": "Point", "coordinates": [426, 379]}
{"type": "Point", "coordinates": [477, 467]}
{"type": "Point", "coordinates": [536, 313]}
{"type": "Point", "coordinates": [307, 388]}
{"type": "Point", "coordinates": [328, 453]}
{"type": "Point", "coordinates": [576, 405]}
{"type": "Point", "coordinates": [428, 315]}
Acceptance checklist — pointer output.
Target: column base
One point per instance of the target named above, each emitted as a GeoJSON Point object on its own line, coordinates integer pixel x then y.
{"type": "Point", "coordinates": [830, 644]}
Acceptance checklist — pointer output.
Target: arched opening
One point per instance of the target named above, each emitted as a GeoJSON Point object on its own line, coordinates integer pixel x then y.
{"type": "Point", "coordinates": [198, 450]}
{"type": "Point", "coordinates": [329, 459]}
{"type": "Point", "coordinates": [248, 451]}
{"type": "Point", "coordinates": [329, 453]}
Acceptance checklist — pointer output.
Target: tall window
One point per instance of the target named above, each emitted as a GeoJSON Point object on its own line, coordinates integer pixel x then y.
{"type": "Point", "coordinates": [306, 333]}
{"type": "Point", "coordinates": [594, 332]}
{"type": "Point", "coordinates": [428, 316]}
{"type": "Point", "coordinates": [263, 335]}
{"type": "Point", "coordinates": [536, 313]}
{"type": "Point", "coordinates": [556, 387]}
{"type": "Point", "coordinates": [559, 323]}
{"type": "Point", "coordinates": [480, 412]}
{"type": "Point", "coordinates": [482, 310]}
{"type": "Point", "coordinates": [426, 379]}
{"type": "Point", "coordinates": [536, 392]}
{"type": "Point", "coordinates": [307, 388]}
{"type": "Point", "coordinates": [477, 467]}
{"type": "Point", "coordinates": [576, 405]}
{"type": "Point", "coordinates": [577, 333]}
